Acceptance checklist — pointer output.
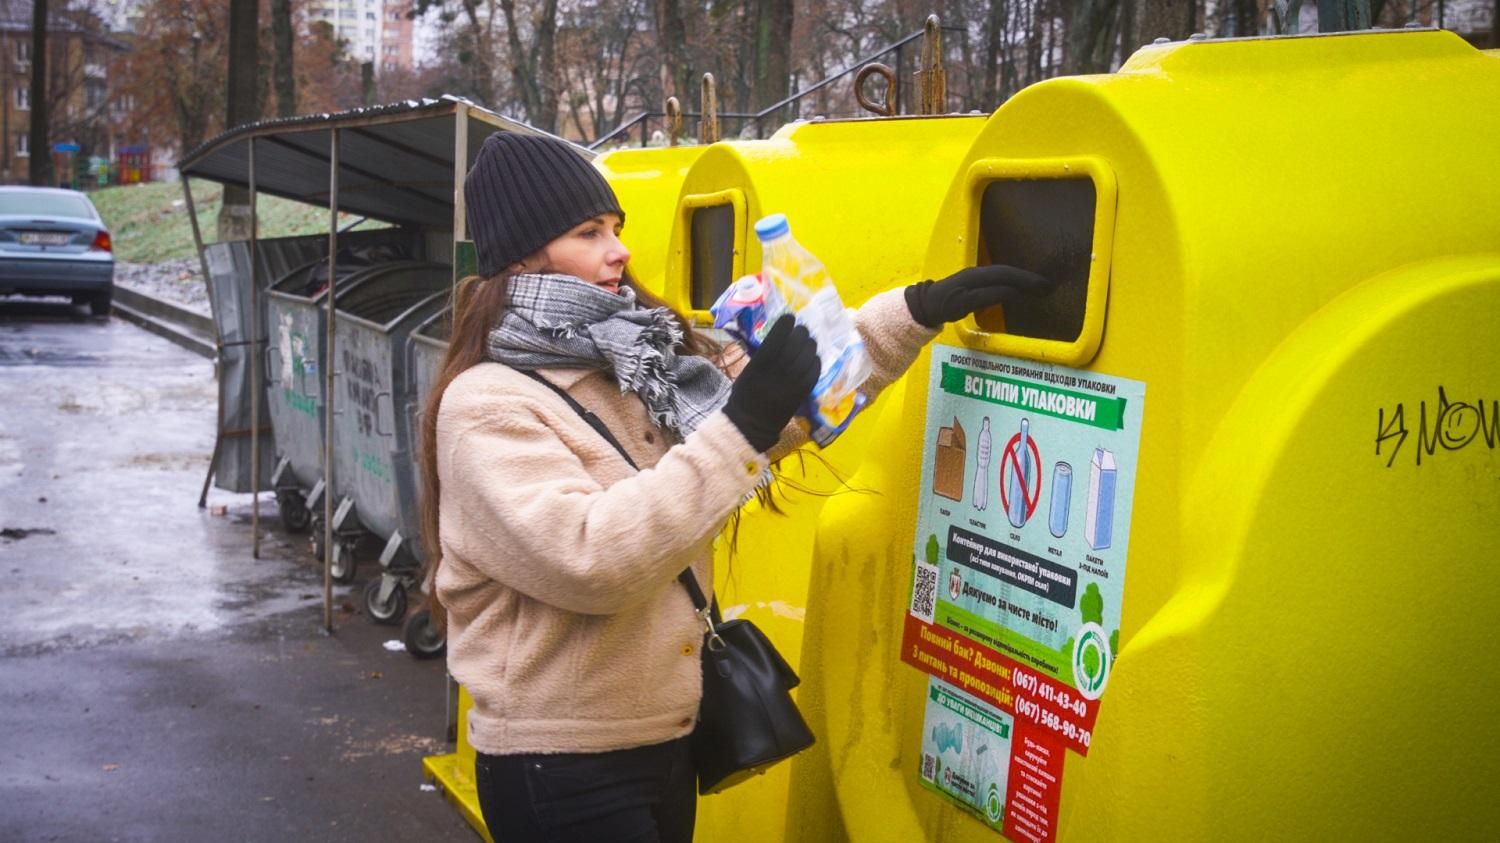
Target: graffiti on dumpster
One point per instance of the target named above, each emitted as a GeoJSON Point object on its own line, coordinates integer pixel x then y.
{"type": "Point", "coordinates": [1016, 591]}
{"type": "Point", "coordinates": [362, 385]}
{"type": "Point", "coordinates": [1454, 425]}
{"type": "Point", "coordinates": [295, 356]}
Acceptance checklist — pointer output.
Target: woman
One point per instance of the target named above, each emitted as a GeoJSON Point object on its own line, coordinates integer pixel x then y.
{"type": "Point", "coordinates": [556, 560]}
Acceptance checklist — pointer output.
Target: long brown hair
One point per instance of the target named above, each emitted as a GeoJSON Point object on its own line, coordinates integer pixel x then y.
{"type": "Point", "coordinates": [478, 304]}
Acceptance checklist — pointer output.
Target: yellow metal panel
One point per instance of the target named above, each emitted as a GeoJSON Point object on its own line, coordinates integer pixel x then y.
{"type": "Point", "coordinates": [677, 294]}
{"type": "Point", "coordinates": [1076, 352]}
{"type": "Point", "coordinates": [1272, 604]}
{"type": "Point", "coordinates": [852, 191]}
{"type": "Point", "coordinates": [453, 773]}
{"type": "Point", "coordinates": [646, 182]}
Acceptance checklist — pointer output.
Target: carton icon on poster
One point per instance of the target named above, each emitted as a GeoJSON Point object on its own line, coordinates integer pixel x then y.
{"type": "Point", "coordinates": [982, 467]}
{"type": "Point", "coordinates": [948, 467]}
{"type": "Point", "coordinates": [1099, 517]}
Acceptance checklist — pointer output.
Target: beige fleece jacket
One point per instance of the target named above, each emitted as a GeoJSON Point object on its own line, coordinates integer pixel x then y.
{"type": "Point", "coordinates": [565, 620]}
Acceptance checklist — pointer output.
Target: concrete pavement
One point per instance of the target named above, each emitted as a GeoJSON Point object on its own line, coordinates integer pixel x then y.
{"type": "Point", "coordinates": [156, 682]}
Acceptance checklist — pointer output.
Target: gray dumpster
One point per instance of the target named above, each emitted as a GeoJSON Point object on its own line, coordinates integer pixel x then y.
{"type": "Point", "coordinates": [295, 358]}
{"type": "Point", "coordinates": [371, 444]}
{"type": "Point", "coordinates": [425, 350]}
{"type": "Point", "coordinates": [229, 286]}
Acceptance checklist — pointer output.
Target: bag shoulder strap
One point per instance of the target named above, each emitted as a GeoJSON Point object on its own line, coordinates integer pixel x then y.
{"type": "Point", "coordinates": [687, 579]}
{"type": "Point", "coordinates": [593, 421]}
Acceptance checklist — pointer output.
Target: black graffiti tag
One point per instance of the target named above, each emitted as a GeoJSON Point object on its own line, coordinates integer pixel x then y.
{"type": "Point", "coordinates": [1454, 425]}
{"type": "Point", "coordinates": [362, 386]}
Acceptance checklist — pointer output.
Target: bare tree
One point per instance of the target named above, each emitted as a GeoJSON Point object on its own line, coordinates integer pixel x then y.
{"type": "Point", "coordinates": [773, 44]}
{"type": "Point", "coordinates": [281, 35]}
{"type": "Point", "coordinates": [671, 31]}
{"type": "Point", "coordinates": [1173, 19]}
{"type": "Point", "coordinates": [1091, 36]}
{"type": "Point", "coordinates": [39, 171]}
{"type": "Point", "coordinates": [174, 73]}
{"type": "Point", "coordinates": [606, 65]}
{"type": "Point", "coordinates": [532, 52]}
{"type": "Point", "coordinates": [240, 106]}
{"type": "Point", "coordinates": [472, 43]}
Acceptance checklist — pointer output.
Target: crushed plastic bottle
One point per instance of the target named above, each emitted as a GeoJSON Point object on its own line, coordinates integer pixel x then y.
{"type": "Point", "coordinates": [793, 279]}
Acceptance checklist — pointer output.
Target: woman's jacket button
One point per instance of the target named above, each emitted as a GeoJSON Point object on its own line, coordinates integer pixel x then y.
{"type": "Point", "coordinates": [687, 649]}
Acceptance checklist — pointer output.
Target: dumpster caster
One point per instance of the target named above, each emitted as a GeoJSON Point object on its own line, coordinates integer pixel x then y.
{"type": "Point", "coordinates": [344, 564]}
{"type": "Point", "coordinates": [343, 553]}
{"type": "Point", "coordinates": [390, 611]}
{"type": "Point", "coordinates": [295, 515]}
{"type": "Point", "coordinates": [422, 639]}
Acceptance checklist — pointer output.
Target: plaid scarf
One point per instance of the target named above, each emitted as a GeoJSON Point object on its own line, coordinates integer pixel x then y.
{"type": "Point", "coordinates": [563, 322]}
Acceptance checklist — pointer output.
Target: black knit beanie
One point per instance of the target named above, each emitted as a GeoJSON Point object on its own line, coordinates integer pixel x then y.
{"type": "Point", "coordinates": [524, 191]}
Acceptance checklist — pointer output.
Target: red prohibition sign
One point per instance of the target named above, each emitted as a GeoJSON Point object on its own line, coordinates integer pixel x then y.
{"type": "Point", "coordinates": [1013, 457]}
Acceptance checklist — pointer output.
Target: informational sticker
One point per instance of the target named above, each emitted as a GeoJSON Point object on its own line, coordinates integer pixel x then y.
{"type": "Point", "coordinates": [1028, 477]}
{"type": "Point", "coordinates": [975, 755]}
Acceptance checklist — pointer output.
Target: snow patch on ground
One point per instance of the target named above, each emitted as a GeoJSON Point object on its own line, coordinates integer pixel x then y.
{"type": "Point", "coordinates": [178, 281]}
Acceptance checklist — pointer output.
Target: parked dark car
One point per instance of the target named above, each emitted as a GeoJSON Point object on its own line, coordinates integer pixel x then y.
{"type": "Point", "coordinates": [53, 243]}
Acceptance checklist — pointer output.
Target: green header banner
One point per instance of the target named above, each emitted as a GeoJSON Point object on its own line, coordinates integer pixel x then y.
{"type": "Point", "coordinates": [963, 709]}
{"type": "Point", "coordinates": [1100, 411]}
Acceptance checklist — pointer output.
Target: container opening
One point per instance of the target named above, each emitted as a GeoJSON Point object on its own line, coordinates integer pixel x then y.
{"type": "Point", "coordinates": [712, 253]}
{"type": "Point", "coordinates": [1046, 226]}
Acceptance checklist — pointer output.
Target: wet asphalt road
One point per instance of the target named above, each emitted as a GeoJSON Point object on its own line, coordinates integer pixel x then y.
{"type": "Point", "coordinates": [156, 682]}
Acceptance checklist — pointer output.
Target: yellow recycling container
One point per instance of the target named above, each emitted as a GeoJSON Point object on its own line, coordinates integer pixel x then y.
{"type": "Point", "coordinates": [646, 180]}
{"type": "Point", "coordinates": [1197, 546]}
{"type": "Point", "coordinates": [850, 190]}
{"type": "Point", "coordinates": [1200, 548]}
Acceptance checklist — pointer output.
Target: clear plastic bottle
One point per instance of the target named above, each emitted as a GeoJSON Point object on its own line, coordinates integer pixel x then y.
{"type": "Point", "coordinates": [807, 289]}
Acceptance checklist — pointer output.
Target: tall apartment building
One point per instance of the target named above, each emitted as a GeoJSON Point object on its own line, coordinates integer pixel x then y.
{"type": "Point", "coordinates": [376, 31]}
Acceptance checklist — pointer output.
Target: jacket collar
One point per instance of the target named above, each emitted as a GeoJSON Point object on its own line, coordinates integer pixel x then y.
{"type": "Point", "coordinates": [565, 378]}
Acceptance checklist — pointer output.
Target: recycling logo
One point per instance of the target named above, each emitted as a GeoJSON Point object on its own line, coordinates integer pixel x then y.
{"type": "Point", "coordinates": [1091, 658]}
{"type": "Point", "coordinates": [993, 806]}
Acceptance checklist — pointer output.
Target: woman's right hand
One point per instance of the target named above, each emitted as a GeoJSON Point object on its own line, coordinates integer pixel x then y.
{"type": "Point", "coordinates": [774, 383]}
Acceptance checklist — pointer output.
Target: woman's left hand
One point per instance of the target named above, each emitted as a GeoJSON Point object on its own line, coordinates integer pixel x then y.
{"type": "Point", "coordinates": [936, 303]}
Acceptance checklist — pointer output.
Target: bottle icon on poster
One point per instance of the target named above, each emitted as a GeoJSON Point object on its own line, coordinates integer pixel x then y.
{"type": "Point", "coordinates": [1018, 508]}
{"type": "Point", "coordinates": [1062, 494]}
{"type": "Point", "coordinates": [1099, 517]}
{"type": "Point", "coordinates": [981, 499]}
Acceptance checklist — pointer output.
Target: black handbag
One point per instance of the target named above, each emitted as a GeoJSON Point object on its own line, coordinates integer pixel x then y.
{"type": "Point", "coordinates": [747, 720]}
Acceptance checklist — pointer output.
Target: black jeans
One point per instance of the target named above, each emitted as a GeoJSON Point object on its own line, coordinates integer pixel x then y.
{"type": "Point", "coordinates": [642, 795]}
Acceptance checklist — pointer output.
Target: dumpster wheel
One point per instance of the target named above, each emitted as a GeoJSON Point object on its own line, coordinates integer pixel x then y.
{"type": "Point", "coordinates": [344, 564]}
{"type": "Point", "coordinates": [295, 516]}
{"type": "Point", "coordinates": [422, 639]}
{"type": "Point", "coordinates": [392, 610]}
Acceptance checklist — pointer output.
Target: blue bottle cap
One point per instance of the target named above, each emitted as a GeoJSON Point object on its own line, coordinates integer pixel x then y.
{"type": "Point", "coordinates": [772, 227]}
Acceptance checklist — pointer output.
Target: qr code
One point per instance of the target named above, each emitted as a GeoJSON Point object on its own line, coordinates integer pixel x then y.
{"type": "Point", "coordinates": [929, 766]}
{"type": "Point", "coordinates": [924, 591]}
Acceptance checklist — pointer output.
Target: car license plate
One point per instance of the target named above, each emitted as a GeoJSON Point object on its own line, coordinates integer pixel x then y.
{"type": "Point", "coordinates": [44, 238]}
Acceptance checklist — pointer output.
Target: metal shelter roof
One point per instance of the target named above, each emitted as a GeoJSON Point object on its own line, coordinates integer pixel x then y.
{"type": "Point", "coordinates": [396, 162]}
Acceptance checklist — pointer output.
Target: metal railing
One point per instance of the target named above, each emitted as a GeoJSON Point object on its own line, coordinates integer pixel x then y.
{"type": "Point", "coordinates": [757, 119]}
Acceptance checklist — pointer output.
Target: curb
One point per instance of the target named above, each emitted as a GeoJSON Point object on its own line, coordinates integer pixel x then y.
{"type": "Point", "coordinates": [189, 329]}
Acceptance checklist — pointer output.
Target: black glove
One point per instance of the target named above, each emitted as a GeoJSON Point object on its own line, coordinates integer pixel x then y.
{"type": "Point", "coordinates": [936, 303]}
{"type": "Point", "coordinates": [774, 383]}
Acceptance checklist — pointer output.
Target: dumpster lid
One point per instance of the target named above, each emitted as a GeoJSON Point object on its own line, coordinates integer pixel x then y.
{"type": "Point", "coordinates": [396, 162]}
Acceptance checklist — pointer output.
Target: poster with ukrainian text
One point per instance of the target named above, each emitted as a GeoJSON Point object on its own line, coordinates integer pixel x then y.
{"type": "Point", "coordinates": [1019, 556]}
